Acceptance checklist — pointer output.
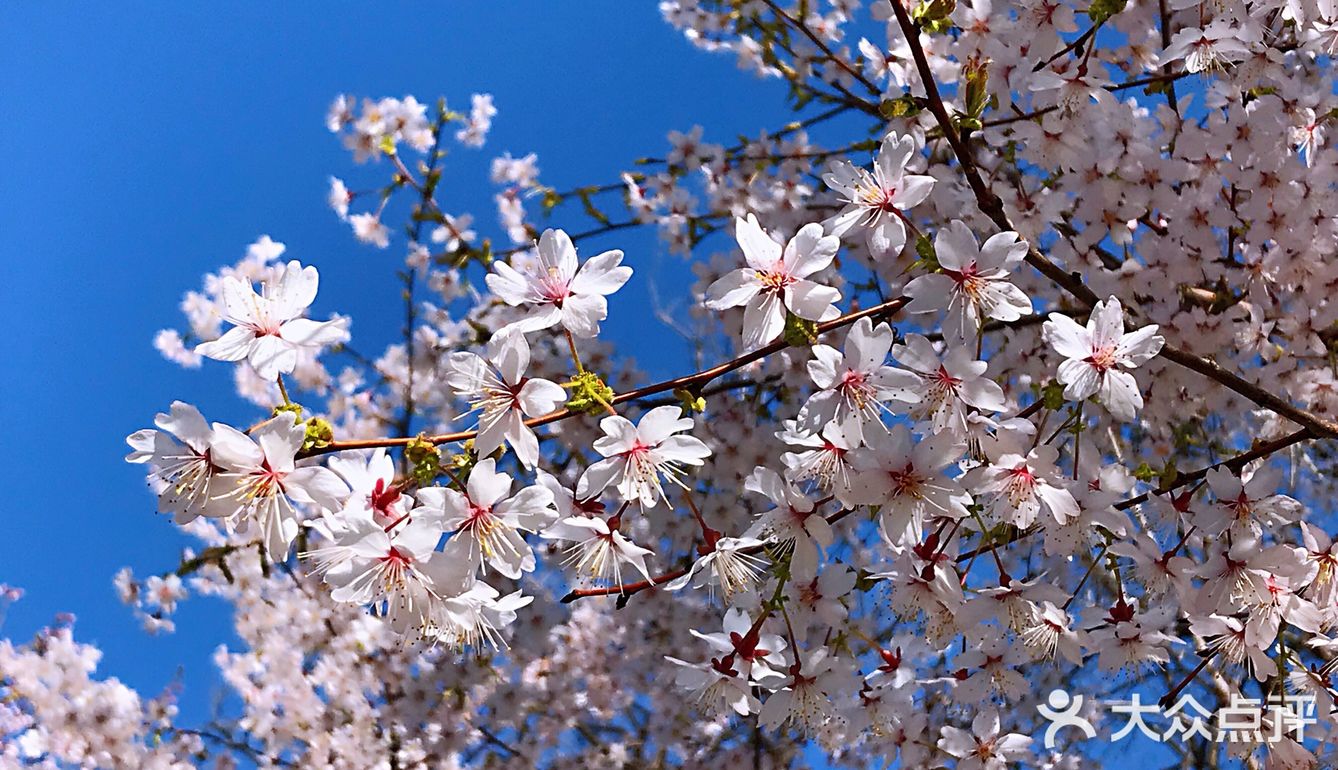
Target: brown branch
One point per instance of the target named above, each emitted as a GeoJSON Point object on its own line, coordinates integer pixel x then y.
{"type": "Point", "coordinates": [1234, 463]}
{"type": "Point", "coordinates": [992, 207]}
{"type": "Point", "coordinates": [689, 382]}
{"type": "Point", "coordinates": [826, 50]}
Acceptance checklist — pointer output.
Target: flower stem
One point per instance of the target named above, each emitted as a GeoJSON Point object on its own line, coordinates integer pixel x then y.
{"type": "Point", "coordinates": [571, 343]}
{"type": "Point", "coordinates": [283, 391]}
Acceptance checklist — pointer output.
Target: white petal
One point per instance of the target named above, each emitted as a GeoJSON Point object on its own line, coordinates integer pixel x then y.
{"type": "Point", "coordinates": [810, 300]}
{"type": "Point", "coordinates": [234, 345]}
{"type": "Point", "coordinates": [759, 249]}
{"type": "Point", "coordinates": [601, 274]}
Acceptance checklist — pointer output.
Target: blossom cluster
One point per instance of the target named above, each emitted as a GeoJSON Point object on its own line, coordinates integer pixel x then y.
{"type": "Point", "coordinates": [1028, 389]}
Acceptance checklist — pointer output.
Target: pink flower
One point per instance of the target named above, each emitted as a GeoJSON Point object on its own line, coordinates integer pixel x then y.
{"type": "Point", "coordinates": [1097, 355]}
{"type": "Point", "coordinates": [874, 202]}
{"type": "Point", "coordinates": [973, 283]}
{"type": "Point", "coordinates": [637, 456]}
{"type": "Point", "coordinates": [775, 282]}
{"type": "Point", "coordinates": [556, 291]}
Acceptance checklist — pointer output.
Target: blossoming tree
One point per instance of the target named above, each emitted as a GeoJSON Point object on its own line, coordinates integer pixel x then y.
{"type": "Point", "coordinates": [1027, 384]}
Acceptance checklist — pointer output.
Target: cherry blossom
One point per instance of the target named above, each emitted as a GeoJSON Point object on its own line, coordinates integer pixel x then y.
{"type": "Point", "coordinates": [825, 460]}
{"type": "Point", "coordinates": [756, 656]}
{"type": "Point", "coordinates": [475, 617]}
{"type": "Point", "coordinates": [1096, 356]}
{"type": "Point", "coordinates": [264, 484]}
{"type": "Point", "coordinates": [637, 457]}
{"type": "Point", "coordinates": [727, 562]}
{"type": "Point", "coordinates": [367, 564]}
{"type": "Point", "coordinates": [599, 550]}
{"type": "Point", "coordinates": [793, 523]}
{"type": "Point", "coordinates": [180, 456]}
{"type": "Point", "coordinates": [269, 328]}
{"type": "Point", "coordinates": [1245, 505]}
{"type": "Point", "coordinates": [875, 201]}
{"type": "Point", "coordinates": [555, 290]}
{"type": "Point", "coordinates": [486, 520]}
{"type": "Point", "coordinates": [948, 387]}
{"type": "Point", "coordinates": [1015, 488]}
{"type": "Point", "coordinates": [776, 282]}
{"type": "Point", "coordinates": [905, 479]}
{"type": "Point", "coordinates": [941, 535]}
{"type": "Point", "coordinates": [973, 283]}
{"type": "Point", "coordinates": [374, 493]}
{"type": "Point", "coordinates": [499, 390]}
{"type": "Point", "coordinates": [855, 385]}
{"type": "Point", "coordinates": [986, 746]}
{"type": "Point", "coordinates": [807, 699]}
{"type": "Point", "coordinates": [716, 684]}
{"type": "Point", "coordinates": [1209, 48]}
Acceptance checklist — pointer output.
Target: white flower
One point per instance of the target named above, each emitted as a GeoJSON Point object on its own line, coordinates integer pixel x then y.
{"type": "Point", "coordinates": [164, 592]}
{"type": "Point", "coordinates": [183, 471]}
{"type": "Point", "coordinates": [474, 616]}
{"type": "Point", "coordinates": [753, 654]}
{"type": "Point", "coordinates": [793, 524]}
{"type": "Point", "coordinates": [555, 291]}
{"type": "Point", "coordinates": [368, 228]}
{"type": "Point", "coordinates": [824, 459]}
{"type": "Point", "coordinates": [1247, 504]}
{"type": "Point", "coordinates": [1048, 632]}
{"type": "Point", "coordinates": [984, 747]}
{"type": "Point", "coordinates": [875, 201]}
{"type": "Point", "coordinates": [487, 520]}
{"type": "Point", "coordinates": [475, 130]}
{"type": "Point", "coordinates": [725, 562]}
{"type": "Point", "coordinates": [1131, 640]}
{"type": "Point", "coordinates": [636, 456]}
{"type": "Point", "coordinates": [948, 388]}
{"type": "Point", "coordinates": [905, 478]}
{"type": "Point", "coordinates": [498, 389]}
{"type": "Point", "coordinates": [454, 231]}
{"type": "Point", "coordinates": [1207, 49]}
{"type": "Point", "coordinates": [776, 280]}
{"type": "Point", "coordinates": [265, 481]}
{"type": "Point", "coordinates": [339, 197]}
{"type": "Point", "coordinates": [269, 329]}
{"type": "Point", "coordinates": [1015, 488]}
{"type": "Point", "coordinates": [366, 564]}
{"type": "Point", "coordinates": [855, 384]}
{"type": "Point", "coordinates": [716, 684]}
{"type": "Point", "coordinates": [1307, 135]}
{"type": "Point", "coordinates": [599, 551]}
{"type": "Point", "coordinates": [1095, 354]}
{"type": "Point", "coordinates": [973, 284]}
{"type": "Point", "coordinates": [1073, 89]}
{"type": "Point", "coordinates": [809, 701]}
{"type": "Point", "coordinates": [373, 495]}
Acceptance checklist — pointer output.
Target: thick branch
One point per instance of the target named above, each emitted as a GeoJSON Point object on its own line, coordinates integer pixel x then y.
{"type": "Point", "coordinates": [992, 207]}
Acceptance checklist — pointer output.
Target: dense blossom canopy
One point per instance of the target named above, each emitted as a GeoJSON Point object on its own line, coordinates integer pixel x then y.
{"type": "Point", "coordinates": [1025, 382]}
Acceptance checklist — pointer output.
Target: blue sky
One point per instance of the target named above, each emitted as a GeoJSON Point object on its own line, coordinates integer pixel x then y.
{"type": "Point", "coordinates": [149, 143]}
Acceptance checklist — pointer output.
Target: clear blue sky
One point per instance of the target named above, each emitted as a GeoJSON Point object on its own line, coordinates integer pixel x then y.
{"type": "Point", "coordinates": [151, 142]}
